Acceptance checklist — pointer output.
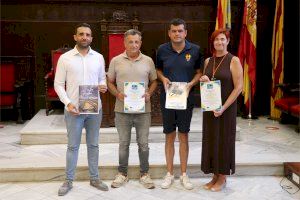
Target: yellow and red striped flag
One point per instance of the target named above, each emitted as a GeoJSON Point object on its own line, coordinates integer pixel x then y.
{"type": "Point", "coordinates": [223, 15]}
{"type": "Point", "coordinates": [247, 50]}
{"type": "Point", "coordinates": [277, 57]}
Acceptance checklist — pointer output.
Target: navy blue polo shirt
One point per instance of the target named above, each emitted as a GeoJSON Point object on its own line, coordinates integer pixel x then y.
{"type": "Point", "coordinates": [179, 67]}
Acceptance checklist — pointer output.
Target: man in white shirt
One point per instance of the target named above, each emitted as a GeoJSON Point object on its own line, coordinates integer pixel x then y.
{"type": "Point", "coordinates": [80, 66]}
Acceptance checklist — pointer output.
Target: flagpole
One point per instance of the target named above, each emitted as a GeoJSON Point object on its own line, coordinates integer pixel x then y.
{"type": "Point", "coordinates": [250, 116]}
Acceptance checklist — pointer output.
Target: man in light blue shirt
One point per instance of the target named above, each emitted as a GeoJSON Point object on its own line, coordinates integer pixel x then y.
{"type": "Point", "coordinates": [80, 66]}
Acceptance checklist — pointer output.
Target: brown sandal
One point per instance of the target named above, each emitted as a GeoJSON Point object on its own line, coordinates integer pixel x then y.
{"type": "Point", "coordinates": [208, 185]}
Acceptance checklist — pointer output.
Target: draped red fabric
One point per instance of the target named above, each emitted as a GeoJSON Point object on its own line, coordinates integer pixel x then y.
{"type": "Point", "coordinates": [116, 45]}
{"type": "Point", "coordinates": [7, 77]}
{"type": "Point", "coordinates": [7, 73]}
{"type": "Point", "coordinates": [220, 19]}
{"type": "Point", "coordinates": [277, 57]}
{"type": "Point", "coordinates": [55, 56]}
{"type": "Point", "coordinates": [247, 49]}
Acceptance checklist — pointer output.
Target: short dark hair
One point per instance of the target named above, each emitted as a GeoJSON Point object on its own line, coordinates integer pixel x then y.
{"type": "Point", "coordinates": [132, 32]}
{"type": "Point", "coordinates": [177, 22]}
{"type": "Point", "coordinates": [82, 25]}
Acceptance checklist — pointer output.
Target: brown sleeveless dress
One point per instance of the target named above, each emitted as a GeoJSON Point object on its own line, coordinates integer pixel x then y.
{"type": "Point", "coordinates": [218, 143]}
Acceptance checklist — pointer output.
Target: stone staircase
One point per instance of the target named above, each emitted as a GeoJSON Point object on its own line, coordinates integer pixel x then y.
{"type": "Point", "coordinates": [41, 155]}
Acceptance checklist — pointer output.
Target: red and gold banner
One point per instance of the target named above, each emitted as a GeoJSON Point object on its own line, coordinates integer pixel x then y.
{"type": "Point", "coordinates": [277, 57]}
{"type": "Point", "coordinates": [247, 49]}
{"type": "Point", "coordinates": [223, 15]}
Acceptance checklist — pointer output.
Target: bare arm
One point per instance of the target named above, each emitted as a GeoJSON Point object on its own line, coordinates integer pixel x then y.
{"type": "Point", "coordinates": [150, 91]}
{"type": "Point", "coordinates": [237, 76]}
{"type": "Point", "coordinates": [113, 89]}
{"type": "Point", "coordinates": [152, 87]}
{"type": "Point", "coordinates": [195, 80]}
{"type": "Point", "coordinates": [204, 78]}
{"type": "Point", "coordinates": [166, 82]}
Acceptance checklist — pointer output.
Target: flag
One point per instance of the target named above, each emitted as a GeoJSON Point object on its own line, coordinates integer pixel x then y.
{"type": "Point", "coordinates": [247, 50]}
{"type": "Point", "coordinates": [277, 57]}
{"type": "Point", "coordinates": [223, 15]}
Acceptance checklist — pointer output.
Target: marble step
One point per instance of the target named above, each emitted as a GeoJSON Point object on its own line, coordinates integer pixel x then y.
{"type": "Point", "coordinates": [42, 129]}
{"type": "Point", "coordinates": [107, 135]}
{"type": "Point", "coordinates": [47, 162]}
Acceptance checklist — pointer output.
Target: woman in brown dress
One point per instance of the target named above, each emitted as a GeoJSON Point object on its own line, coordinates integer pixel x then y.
{"type": "Point", "coordinates": [219, 126]}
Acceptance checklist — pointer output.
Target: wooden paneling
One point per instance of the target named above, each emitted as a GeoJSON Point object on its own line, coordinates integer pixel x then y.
{"type": "Point", "coordinates": [36, 27]}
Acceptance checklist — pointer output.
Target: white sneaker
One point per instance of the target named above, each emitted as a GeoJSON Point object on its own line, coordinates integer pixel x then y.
{"type": "Point", "coordinates": [146, 181]}
{"type": "Point", "coordinates": [167, 182]}
{"type": "Point", "coordinates": [185, 181]}
{"type": "Point", "coordinates": [119, 180]}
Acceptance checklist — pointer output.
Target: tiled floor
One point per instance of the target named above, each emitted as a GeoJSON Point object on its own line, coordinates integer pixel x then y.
{"type": "Point", "coordinates": [243, 188]}
{"type": "Point", "coordinates": [258, 143]}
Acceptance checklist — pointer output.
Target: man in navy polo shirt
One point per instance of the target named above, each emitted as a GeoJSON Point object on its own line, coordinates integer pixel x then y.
{"type": "Point", "coordinates": [178, 61]}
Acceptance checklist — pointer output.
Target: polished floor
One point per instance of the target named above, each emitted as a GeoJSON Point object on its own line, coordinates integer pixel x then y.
{"type": "Point", "coordinates": [261, 141]}
{"type": "Point", "coordinates": [238, 188]}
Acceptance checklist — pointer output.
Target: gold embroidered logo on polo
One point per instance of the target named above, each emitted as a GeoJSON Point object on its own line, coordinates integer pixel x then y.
{"type": "Point", "coordinates": [188, 57]}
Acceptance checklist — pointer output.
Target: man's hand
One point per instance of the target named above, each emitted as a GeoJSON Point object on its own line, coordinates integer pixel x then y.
{"type": "Point", "coordinates": [146, 96]}
{"type": "Point", "coordinates": [102, 88]}
{"type": "Point", "coordinates": [189, 86]}
{"type": "Point", "coordinates": [166, 83]}
{"type": "Point", "coordinates": [120, 96]}
{"type": "Point", "coordinates": [72, 109]}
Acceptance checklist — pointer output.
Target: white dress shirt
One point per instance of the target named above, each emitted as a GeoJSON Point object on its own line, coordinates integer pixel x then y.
{"type": "Point", "coordinates": [74, 69]}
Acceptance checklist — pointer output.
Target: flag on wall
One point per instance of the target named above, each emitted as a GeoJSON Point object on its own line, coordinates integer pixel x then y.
{"type": "Point", "coordinates": [277, 57]}
{"type": "Point", "coordinates": [223, 15]}
{"type": "Point", "coordinates": [247, 49]}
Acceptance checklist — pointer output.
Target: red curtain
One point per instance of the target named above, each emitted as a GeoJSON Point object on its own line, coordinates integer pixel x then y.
{"type": "Point", "coordinates": [116, 45]}
{"type": "Point", "coordinates": [55, 56]}
{"type": "Point", "coordinates": [7, 72]}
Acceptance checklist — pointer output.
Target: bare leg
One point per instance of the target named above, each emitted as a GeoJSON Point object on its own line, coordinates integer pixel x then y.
{"type": "Point", "coordinates": [183, 151]}
{"type": "Point", "coordinates": [169, 151]}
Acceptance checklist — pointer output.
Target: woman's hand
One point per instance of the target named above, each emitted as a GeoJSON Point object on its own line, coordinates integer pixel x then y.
{"type": "Point", "coordinates": [218, 113]}
{"type": "Point", "coordinates": [204, 78]}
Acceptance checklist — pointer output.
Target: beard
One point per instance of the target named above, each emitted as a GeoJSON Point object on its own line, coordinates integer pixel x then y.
{"type": "Point", "coordinates": [178, 41]}
{"type": "Point", "coordinates": [82, 45]}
